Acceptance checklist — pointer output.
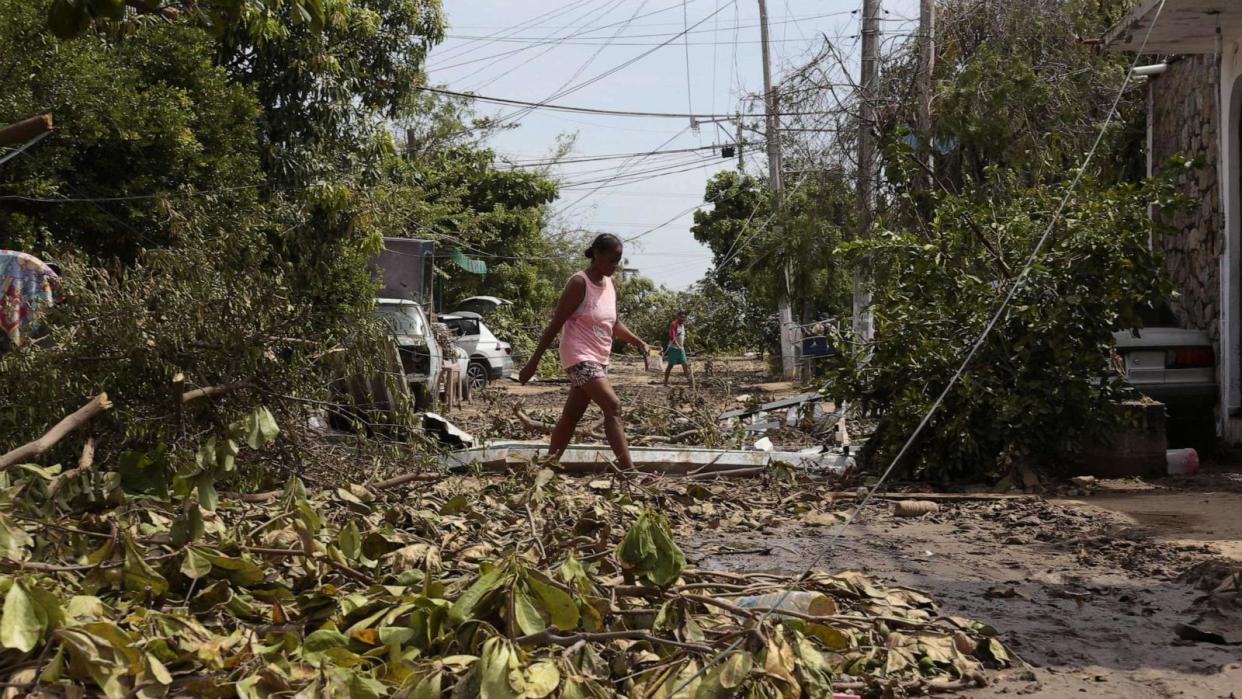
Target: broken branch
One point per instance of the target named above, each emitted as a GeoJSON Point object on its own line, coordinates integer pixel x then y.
{"type": "Point", "coordinates": [33, 450]}
{"type": "Point", "coordinates": [25, 130]}
{"type": "Point", "coordinates": [548, 636]}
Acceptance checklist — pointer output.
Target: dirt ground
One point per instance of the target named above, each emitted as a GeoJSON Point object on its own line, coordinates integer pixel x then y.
{"type": "Point", "coordinates": [1089, 591]}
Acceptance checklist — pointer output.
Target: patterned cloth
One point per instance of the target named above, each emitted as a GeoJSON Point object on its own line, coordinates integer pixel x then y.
{"type": "Point", "coordinates": [28, 287]}
{"type": "Point", "coordinates": [584, 373]}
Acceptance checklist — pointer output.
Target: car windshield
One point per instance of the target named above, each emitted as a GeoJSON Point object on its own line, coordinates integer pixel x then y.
{"type": "Point", "coordinates": [402, 320]}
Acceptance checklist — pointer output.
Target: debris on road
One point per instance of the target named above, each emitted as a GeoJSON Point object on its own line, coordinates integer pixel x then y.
{"type": "Point", "coordinates": [914, 508]}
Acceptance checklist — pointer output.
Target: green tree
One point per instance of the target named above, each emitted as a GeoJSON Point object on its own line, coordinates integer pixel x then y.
{"type": "Point", "coordinates": [149, 117]}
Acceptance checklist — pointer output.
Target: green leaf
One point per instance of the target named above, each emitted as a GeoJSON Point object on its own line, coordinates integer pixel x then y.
{"type": "Point", "coordinates": [735, 669]}
{"type": "Point", "coordinates": [559, 605]}
{"type": "Point", "coordinates": [14, 541]}
{"type": "Point", "coordinates": [195, 565]}
{"type": "Point", "coordinates": [468, 604]}
{"type": "Point", "coordinates": [455, 505]}
{"type": "Point", "coordinates": [497, 660]}
{"type": "Point", "coordinates": [528, 619]}
{"type": "Point", "coordinates": [207, 496]}
{"type": "Point", "coordinates": [427, 687]}
{"type": "Point", "coordinates": [139, 576]}
{"type": "Point", "coordinates": [648, 550]}
{"type": "Point", "coordinates": [350, 541]}
{"type": "Point", "coordinates": [239, 571]}
{"type": "Point", "coordinates": [394, 635]}
{"type": "Point", "coordinates": [261, 428]}
{"type": "Point", "coordinates": [24, 620]}
{"type": "Point", "coordinates": [318, 643]}
{"type": "Point", "coordinates": [541, 679]}
{"type": "Point", "coordinates": [314, 9]}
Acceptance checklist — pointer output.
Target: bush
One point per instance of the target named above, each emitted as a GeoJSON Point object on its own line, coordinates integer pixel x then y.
{"type": "Point", "coordinates": [1041, 385]}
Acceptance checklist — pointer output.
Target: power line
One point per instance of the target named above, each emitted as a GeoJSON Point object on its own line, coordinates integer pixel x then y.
{"type": "Point", "coordinates": [787, 20]}
{"type": "Point", "coordinates": [593, 42]}
{"type": "Point", "coordinates": [593, 110]}
{"type": "Point", "coordinates": [457, 51]}
{"type": "Point", "coordinates": [549, 40]}
{"type": "Point", "coordinates": [607, 156]}
{"type": "Point", "coordinates": [561, 90]}
{"type": "Point", "coordinates": [586, 20]}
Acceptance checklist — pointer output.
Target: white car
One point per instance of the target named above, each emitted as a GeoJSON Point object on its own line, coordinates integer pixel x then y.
{"type": "Point", "coordinates": [420, 353]}
{"type": "Point", "coordinates": [1175, 366]}
{"type": "Point", "coordinates": [489, 358]}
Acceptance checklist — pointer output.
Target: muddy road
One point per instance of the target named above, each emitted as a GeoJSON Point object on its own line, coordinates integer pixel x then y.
{"type": "Point", "coordinates": [1089, 591]}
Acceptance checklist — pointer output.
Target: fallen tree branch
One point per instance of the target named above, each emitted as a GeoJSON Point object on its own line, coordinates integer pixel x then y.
{"type": "Point", "coordinates": [24, 130]}
{"type": "Point", "coordinates": [947, 497]}
{"type": "Point", "coordinates": [407, 478]}
{"type": "Point", "coordinates": [33, 450]}
{"type": "Point", "coordinates": [550, 636]}
{"type": "Point", "coordinates": [208, 391]}
{"type": "Point", "coordinates": [86, 463]}
{"type": "Point", "coordinates": [534, 425]}
{"type": "Point", "coordinates": [270, 495]}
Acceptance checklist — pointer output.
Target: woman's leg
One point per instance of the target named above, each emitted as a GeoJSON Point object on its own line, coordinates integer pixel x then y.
{"type": "Point", "coordinates": [668, 370]}
{"type": "Point", "coordinates": [601, 392]}
{"type": "Point", "coordinates": [575, 405]}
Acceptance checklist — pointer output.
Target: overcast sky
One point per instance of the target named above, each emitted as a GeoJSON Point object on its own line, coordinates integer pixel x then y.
{"type": "Point", "coordinates": [593, 50]}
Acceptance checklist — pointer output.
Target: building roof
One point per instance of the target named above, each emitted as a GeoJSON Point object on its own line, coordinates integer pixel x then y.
{"type": "Point", "coordinates": [1183, 26]}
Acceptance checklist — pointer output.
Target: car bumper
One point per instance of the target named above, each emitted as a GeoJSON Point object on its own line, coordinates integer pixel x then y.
{"type": "Point", "coordinates": [500, 368]}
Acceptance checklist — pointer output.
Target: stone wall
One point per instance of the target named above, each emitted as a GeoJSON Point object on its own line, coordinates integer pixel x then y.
{"type": "Point", "coordinates": [1185, 121]}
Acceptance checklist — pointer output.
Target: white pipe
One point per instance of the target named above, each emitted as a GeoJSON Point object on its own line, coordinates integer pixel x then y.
{"type": "Point", "coordinates": [1145, 71]}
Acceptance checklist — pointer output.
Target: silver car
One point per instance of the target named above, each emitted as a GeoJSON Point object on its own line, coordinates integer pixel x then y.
{"type": "Point", "coordinates": [490, 359]}
{"type": "Point", "coordinates": [1176, 366]}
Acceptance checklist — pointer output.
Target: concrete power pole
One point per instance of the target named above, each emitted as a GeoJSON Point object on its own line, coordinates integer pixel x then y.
{"type": "Point", "coordinates": [863, 329]}
{"type": "Point", "coordinates": [788, 335]}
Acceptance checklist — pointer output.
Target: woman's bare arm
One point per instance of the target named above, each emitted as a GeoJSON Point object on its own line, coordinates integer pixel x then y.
{"type": "Point", "coordinates": [571, 298]}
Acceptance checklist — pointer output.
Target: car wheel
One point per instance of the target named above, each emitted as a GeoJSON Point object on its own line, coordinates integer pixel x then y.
{"type": "Point", "coordinates": [476, 375]}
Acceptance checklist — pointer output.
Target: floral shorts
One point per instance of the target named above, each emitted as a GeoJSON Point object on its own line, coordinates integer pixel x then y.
{"type": "Point", "coordinates": [585, 372]}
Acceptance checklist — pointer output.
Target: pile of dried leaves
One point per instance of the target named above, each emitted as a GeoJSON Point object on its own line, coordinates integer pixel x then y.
{"type": "Point", "coordinates": [142, 581]}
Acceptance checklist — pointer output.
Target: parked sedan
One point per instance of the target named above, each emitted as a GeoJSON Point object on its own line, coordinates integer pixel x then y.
{"type": "Point", "coordinates": [1176, 366]}
{"type": "Point", "coordinates": [490, 359]}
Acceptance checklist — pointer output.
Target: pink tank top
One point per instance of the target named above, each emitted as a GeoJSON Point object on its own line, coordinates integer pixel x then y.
{"type": "Point", "coordinates": [587, 335]}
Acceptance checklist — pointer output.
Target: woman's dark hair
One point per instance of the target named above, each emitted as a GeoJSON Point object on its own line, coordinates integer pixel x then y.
{"type": "Point", "coordinates": [604, 242]}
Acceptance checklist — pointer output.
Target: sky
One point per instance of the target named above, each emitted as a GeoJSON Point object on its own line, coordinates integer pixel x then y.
{"type": "Point", "coordinates": [632, 55]}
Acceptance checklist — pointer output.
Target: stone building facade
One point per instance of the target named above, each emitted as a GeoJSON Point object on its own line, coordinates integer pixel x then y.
{"type": "Point", "coordinates": [1184, 120]}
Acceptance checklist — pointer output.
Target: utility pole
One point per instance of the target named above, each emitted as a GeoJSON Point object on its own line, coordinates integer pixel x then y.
{"type": "Point", "coordinates": [927, 62]}
{"type": "Point", "coordinates": [741, 163]}
{"type": "Point", "coordinates": [863, 330]}
{"type": "Point", "coordinates": [788, 339]}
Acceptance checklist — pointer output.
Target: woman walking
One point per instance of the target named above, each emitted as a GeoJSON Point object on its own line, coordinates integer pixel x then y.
{"type": "Point", "coordinates": [587, 312]}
